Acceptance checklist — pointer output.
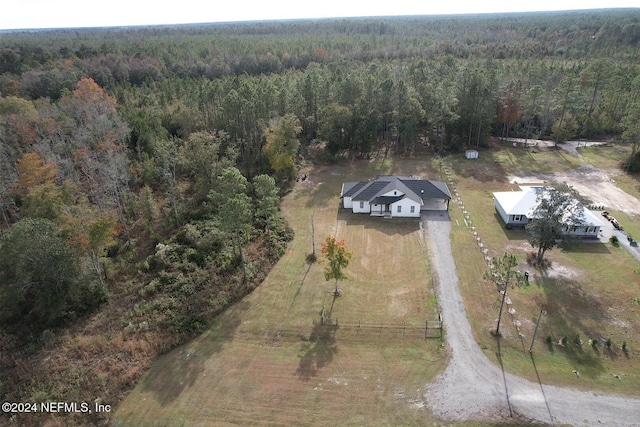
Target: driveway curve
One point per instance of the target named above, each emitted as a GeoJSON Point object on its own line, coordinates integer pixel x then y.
{"type": "Point", "coordinates": [473, 388]}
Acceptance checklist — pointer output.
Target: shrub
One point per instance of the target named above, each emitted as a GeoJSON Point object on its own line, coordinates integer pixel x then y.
{"type": "Point", "coordinates": [549, 339]}
{"type": "Point", "coordinates": [614, 240]}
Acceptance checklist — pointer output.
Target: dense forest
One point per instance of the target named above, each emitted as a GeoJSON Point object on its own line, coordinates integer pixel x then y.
{"type": "Point", "coordinates": [141, 168]}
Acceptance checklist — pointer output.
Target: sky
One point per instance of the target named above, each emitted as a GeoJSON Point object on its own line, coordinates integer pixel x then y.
{"type": "Point", "coordinates": [27, 14]}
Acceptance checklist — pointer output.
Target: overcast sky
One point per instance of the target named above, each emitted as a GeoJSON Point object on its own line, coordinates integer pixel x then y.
{"type": "Point", "coordinates": [15, 14]}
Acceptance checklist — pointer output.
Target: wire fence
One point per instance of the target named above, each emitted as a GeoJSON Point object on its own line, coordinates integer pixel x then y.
{"type": "Point", "coordinates": [428, 329]}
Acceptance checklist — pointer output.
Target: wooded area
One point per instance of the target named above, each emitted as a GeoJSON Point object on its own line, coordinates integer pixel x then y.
{"type": "Point", "coordinates": [141, 168]}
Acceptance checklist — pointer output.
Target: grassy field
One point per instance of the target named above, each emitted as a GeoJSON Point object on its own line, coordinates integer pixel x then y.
{"type": "Point", "coordinates": [269, 361]}
{"type": "Point", "coordinates": [587, 293]}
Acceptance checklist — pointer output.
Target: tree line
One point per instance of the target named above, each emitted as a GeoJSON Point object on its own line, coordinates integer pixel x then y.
{"type": "Point", "coordinates": [99, 125]}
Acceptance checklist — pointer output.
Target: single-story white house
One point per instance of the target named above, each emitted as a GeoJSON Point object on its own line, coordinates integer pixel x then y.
{"type": "Point", "coordinates": [395, 196]}
{"type": "Point", "coordinates": [516, 208]}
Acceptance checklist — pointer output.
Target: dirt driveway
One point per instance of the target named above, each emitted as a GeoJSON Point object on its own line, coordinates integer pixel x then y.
{"type": "Point", "coordinates": [472, 387]}
{"type": "Point", "coordinates": [597, 185]}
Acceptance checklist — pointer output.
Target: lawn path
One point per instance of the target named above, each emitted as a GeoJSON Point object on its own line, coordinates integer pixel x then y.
{"type": "Point", "coordinates": [472, 387]}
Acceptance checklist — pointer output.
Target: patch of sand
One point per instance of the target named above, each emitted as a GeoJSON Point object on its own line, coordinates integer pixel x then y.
{"type": "Point", "coordinates": [595, 184]}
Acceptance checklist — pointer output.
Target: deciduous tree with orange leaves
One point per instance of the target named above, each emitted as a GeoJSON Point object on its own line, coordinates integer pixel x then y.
{"type": "Point", "coordinates": [337, 257]}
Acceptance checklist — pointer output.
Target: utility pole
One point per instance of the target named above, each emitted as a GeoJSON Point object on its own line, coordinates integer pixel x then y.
{"type": "Point", "coordinates": [535, 332]}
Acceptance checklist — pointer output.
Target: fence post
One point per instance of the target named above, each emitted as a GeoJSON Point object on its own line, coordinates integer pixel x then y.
{"type": "Point", "coordinates": [426, 327]}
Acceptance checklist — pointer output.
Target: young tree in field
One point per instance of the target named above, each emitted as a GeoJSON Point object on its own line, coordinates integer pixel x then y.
{"type": "Point", "coordinates": [282, 144]}
{"type": "Point", "coordinates": [504, 274]}
{"type": "Point", "coordinates": [337, 257]}
{"type": "Point", "coordinates": [556, 212]}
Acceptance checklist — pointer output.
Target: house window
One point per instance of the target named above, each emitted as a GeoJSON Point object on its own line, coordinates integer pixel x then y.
{"type": "Point", "coordinates": [399, 208]}
{"type": "Point", "coordinates": [361, 205]}
{"type": "Point", "coordinates": [591, 229]}
{"type": "Point", "coordinates": [413, 209]}
{"type": "Point", "coordinates": [517, 218]}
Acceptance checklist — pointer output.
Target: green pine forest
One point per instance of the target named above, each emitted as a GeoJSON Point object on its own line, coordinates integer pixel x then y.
{"type": "Point", "coordinates": [141, 168]}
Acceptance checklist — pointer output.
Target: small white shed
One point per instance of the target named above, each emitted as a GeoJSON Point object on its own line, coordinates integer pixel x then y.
{"type": "Point", "coordinates": [471, 154]}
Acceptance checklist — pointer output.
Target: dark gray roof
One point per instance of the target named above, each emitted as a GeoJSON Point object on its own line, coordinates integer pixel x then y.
{"type": "Point", "coordinates": [386, 200]}
{"type": "Point", "coordinates": [350, 188]}
{"type": "Point", "coordinates": [428, 189]}
{"type": "Point", "coordinates": [370, 191]}
{"type": "Point", "coordinates": [413, 187]}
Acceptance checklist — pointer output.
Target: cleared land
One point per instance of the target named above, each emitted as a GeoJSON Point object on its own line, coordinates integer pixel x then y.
{"type": "Point", "coordinates": [269, 361]}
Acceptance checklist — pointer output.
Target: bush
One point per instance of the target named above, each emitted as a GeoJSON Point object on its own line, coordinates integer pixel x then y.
{"type": "Point", "coordinates": [614, 240]}
{"type": "Point", "coordinates": [577, 341]}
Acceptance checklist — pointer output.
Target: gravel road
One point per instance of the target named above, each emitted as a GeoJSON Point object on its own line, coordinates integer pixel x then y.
{"type": "Point", "coordinates": [475, 388]}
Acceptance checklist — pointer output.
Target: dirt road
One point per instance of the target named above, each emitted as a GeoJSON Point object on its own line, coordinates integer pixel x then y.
{"type": "Point", "coordinates": [474, 388]}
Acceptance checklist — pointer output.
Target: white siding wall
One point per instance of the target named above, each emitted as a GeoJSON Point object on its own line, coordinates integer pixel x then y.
{"type": "Point", "coordinates": [347, 203]}
{"type": "Point", "coordinates": [502, 213]}
{"type": "Point", "coordinates": [405, 210]}
{"type": "Point", "coordinates": [364, 209]}
{"type": "Point", "coordinates": [584, 231]}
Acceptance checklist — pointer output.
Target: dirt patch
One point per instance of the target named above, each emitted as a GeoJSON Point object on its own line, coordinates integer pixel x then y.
{"type": "Point", "coordinates": [597, 185]}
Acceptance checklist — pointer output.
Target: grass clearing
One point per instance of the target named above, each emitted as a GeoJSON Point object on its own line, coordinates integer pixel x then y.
{"type": "Point", "coordinates": [269, 361]}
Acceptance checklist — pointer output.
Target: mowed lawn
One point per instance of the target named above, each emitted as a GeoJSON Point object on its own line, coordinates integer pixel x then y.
{"type": "Point", "coordinates": [588, 292]}
{"type": "Point", "coordinates": [268, 360]}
